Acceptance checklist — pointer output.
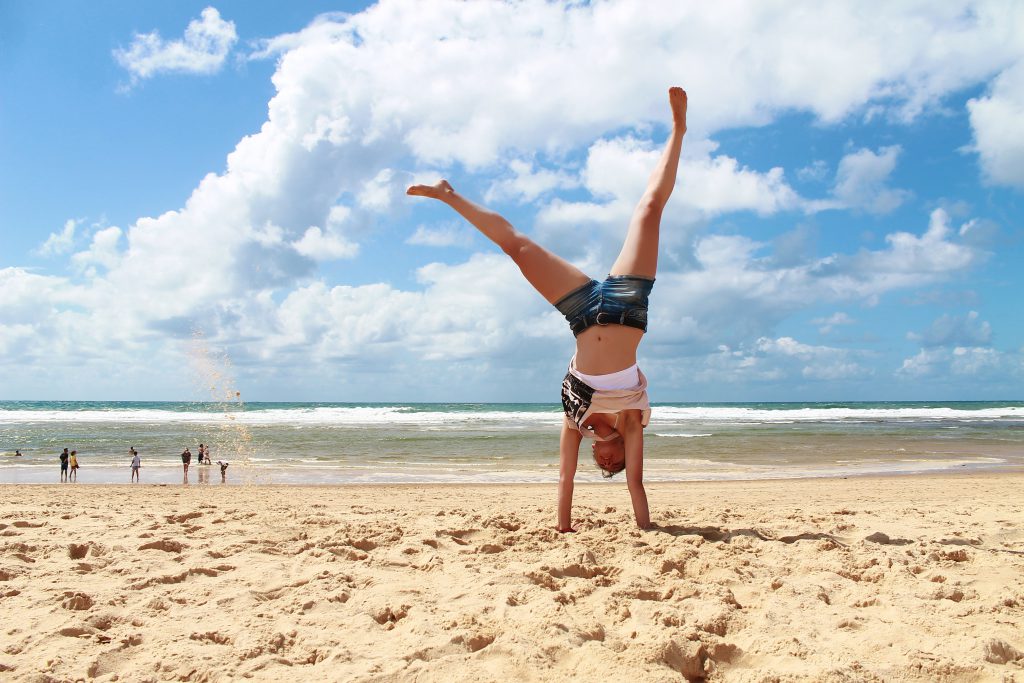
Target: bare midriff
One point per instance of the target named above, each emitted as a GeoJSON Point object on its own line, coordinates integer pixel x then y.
{"type": "Point", "coordinates": [604, 349]}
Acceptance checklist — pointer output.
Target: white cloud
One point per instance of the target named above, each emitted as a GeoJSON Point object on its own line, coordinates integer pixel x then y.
{"type": "Point", "coordinates": [60, 242]}
{"type": "Point", "coordinates": [203, 49]}
{"type": "Point", "coordinates": [615, 175]}
{"type": "Point", "coordinates": [104, 251]}
{"type": "Point", "coordinates": [861, 181]}
{"type": "Point", "coordinates": [949, 330]}
{"type": "Point", "coordinates": [365, 101]}
{"type": "Point", "coordinates": [451, 79]}
{"type": "Point", "coordinates": [998, 134]}
{"type": "Point", "coordinates": [930, 257]}
{"type": "Point", "coordinates": [831, 322]}
{"type": "Point", "coordinates": [450, 235]}
{"type": "Point", "coordinates": [945, 364]}
{"type": "Point", "coordinates": [325, 246]}
{"type": "Point", "coordinates": [773, 359]}
{"type": "Point", "coordinates": [736, 291]}
{"type": "Point", "coordinates": [527, 182]}
{"type": "Point", "coordinates": [817, 171]}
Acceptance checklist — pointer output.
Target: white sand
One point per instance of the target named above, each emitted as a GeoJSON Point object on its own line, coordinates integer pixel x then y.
{"type": "Point", "coordinates": [904, 578]}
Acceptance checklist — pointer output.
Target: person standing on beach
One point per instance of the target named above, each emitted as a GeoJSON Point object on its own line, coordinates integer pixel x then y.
{"type": "Point", "coordinates": [604, 394]}
{"type": "Point", "coordinates": [64, 456]}
{"type": "Point", "coordinates": [186, 458]}
{"type": "Point", "coordinates": [136, 463]}
{"type": "Point", "coordinates": [74, 466]}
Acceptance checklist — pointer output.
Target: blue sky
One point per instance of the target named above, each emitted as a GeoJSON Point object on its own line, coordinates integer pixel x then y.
{"type": "Point", "coordinates": [199, 196]}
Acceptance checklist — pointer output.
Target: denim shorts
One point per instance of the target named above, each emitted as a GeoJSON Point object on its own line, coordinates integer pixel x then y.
{"type": "Point", "coordinates": [619, 300]}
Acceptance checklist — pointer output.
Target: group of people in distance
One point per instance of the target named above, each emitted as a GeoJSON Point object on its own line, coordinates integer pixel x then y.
{"type": "Point", "coordinates": [203, 459]}
{"type": "Point", "coordinates": [69, 463]}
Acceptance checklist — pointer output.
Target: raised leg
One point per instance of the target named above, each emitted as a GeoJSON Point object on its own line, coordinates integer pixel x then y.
{"type": "Point", "coordinates": [639, 255]}
{"type": "Point", "coordinates": [552, 276]}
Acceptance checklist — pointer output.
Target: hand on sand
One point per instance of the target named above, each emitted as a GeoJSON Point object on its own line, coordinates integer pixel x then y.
{"type": "Point", "coordinates": [436, 191]}
{"type": "Point", "coordinates": [677, 100]}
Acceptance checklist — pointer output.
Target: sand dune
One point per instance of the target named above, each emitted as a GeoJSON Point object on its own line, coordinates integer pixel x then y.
{"type": "Point", "coordinates": [912, 578]}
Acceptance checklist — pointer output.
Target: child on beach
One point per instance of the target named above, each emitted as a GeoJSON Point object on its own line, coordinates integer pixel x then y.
{"type": "Point", "coordinates": [223, 470]}
{"type": "Point", "coordinates": [74, 466]}
{"type": "Point", "coordinates": [136, 463]}
{"type": "Point", "coordinates": [604, 394]}
{"type": "Point", "coordinates": [186, 458]}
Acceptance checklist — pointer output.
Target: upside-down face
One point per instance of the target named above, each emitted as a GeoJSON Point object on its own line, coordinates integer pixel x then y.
{"type": "Point", "coordinates": [610, 455]}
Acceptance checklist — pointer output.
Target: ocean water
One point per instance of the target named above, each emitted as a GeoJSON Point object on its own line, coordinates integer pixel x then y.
{"type": "Point", "coordinates": [341, 443]}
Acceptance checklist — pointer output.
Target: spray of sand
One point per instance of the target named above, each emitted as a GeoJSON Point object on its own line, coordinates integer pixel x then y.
{"type": "Point", "coordinates": [228, 440]}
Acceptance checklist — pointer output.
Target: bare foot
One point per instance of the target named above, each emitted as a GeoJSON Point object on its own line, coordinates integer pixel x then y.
{"type": "Point", "coordinates": [677, 100]}
{"type": "Point", "coordinates": [436, 191]}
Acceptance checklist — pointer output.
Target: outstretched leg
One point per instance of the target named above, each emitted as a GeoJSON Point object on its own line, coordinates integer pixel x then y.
{"type": "Point", "coordinates": [551, 275]}
{"type": "Point", "coordinates": [639, 255]}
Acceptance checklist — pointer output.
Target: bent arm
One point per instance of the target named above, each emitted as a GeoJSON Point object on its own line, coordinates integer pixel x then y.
{"type": "Point", "coordinates": [569, 453]}
{"type": "Point", "coordinates": [633, 437]}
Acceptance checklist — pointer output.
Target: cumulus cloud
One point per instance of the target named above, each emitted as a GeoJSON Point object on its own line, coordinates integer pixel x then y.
{"type": "Point", "coordinates": [103, 251]}
{"type": "Point", "coordinates": [324, 246]}
{"type": "Point", "coordinates": [615, 175]}
{"type": "Point", "coordinates": [525, 182]}
{"type": "Point", "coordinates": [448, 235]}
{"type": "Point", "coordinates": [737, 291]}
{"type": "Point", "coordinates": [861, 181]}
{"type": "Point", "coordinates": [977, 363]}
{"type": "Point", "coordinates": [950, 330]}
{"type": "Point", "coordinates": [998, 135]}
{"type": "Point", "coordinates": [772, 359]}
{"type": "Point", "coordinates": [203, 49]}
{"type": "Point", "coordinates": [555, 105]}
{"type": "Point", "coordinates": [60, 242]}
{"type": "Point", "coordinates": [816, 172]}
{"type": "Point", "coordinates": [831, 322]}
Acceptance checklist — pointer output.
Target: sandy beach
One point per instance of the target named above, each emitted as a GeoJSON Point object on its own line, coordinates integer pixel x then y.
{"type": "Point", "coordinates": [917, 578]}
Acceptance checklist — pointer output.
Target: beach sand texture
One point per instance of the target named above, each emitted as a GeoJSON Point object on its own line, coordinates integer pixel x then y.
{"type": "Point", "coordinates": [904, 578]}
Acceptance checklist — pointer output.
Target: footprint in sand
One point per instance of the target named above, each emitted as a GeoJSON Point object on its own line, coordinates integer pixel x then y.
{"type": "Point", "coordinates": [388, 616]}
{"type": "Point", "coordinates": [27, 525]}
{"type": "Point", "coordinates": [75, 632]}
{"type": "Point", "coordinates": [166, 545]}
{"type": "Point", "coordinates": [183, 518]}
{"type": "Point", "coordinates": [211, 637]}
{"type": "Point", "coordinates": [77, 601]}
{"type": "Point", "coordinates": [459, 644]}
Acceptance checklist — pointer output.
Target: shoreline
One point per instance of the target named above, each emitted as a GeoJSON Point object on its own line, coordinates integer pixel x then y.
{"type": "Point", "coordinates": [249, 475]}
{"type": "Point", "coordinates": [916, 578]}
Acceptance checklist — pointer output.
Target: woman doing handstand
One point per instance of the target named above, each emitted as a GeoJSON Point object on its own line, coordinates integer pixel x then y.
{"type": "Point", "coordinates": [604, 394]}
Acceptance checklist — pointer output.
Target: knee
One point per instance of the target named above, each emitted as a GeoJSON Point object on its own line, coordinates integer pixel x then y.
{"type": "Point", "coordinates": [516, 246]}
{"type": "Point", "coordinates": [651, 206]}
